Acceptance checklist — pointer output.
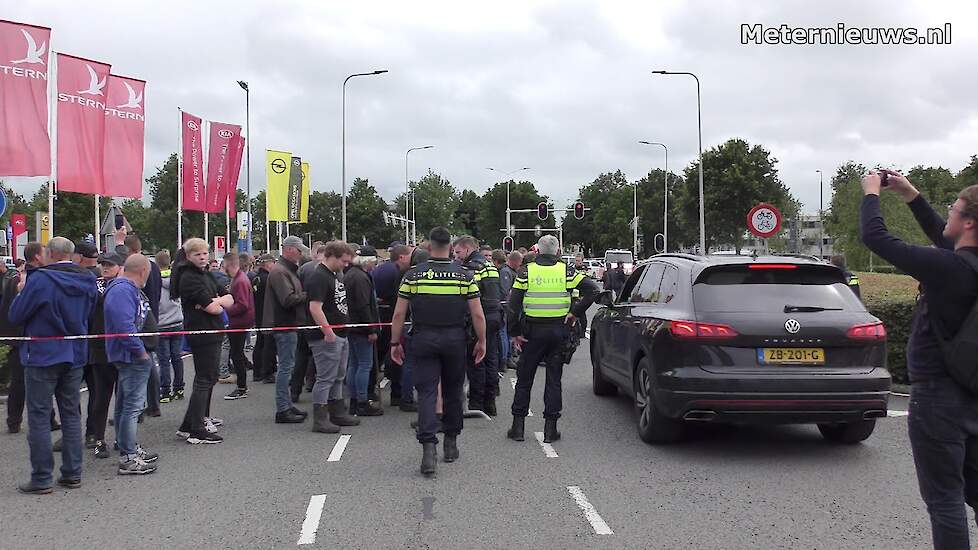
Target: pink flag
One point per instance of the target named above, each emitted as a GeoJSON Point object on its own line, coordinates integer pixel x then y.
{"type": "Point", "coordinates": [81, 124]}
{"type": "Point", "coordinates": [25, 148]}
{"type": "Point", "coordinates": [232, 186]}
{"type": "Point", "coordinates": [193, 162]}
{"type": "Point", "coordinates": [223, 139]}
{"type": "Point", "coordinates": [124, 137]}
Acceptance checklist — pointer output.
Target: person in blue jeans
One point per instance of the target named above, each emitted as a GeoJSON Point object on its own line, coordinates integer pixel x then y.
{"type": "Point", "coordinates": [361, 299]}
{"type": "Point", "coordinates": [170, 350]}
{"type": "Point", "coordinates": [56, 300]}
{"type": "Point", "coordinates": [126, 311]}
{"type": "Point", "coordinates": [285, 303]}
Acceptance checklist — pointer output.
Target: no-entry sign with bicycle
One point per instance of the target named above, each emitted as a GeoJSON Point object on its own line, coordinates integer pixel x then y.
{"type": "Point", "coordinates": [764, 220]}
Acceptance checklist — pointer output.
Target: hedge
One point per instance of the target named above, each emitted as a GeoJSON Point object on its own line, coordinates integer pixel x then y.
{"type": "Point", "coordinates": [896, 314]}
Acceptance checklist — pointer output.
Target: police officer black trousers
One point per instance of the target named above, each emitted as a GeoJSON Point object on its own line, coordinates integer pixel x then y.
{"type": "Point", "coordinates": [439, 354]}
{"type": "Point", "coordinates": [545, 342]}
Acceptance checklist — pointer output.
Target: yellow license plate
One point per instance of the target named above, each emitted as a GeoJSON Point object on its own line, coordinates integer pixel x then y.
{"type": "Point", "coordinates": [791, 356]}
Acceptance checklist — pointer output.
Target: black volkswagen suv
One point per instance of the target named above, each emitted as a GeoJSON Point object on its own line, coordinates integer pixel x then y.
{"type": "Point", "coordinates": [740, 339]}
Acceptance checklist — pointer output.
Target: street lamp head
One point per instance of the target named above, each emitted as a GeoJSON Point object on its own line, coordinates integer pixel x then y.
{"type": "Point", "coordinates": [380, 71]}
{"type": "Point", "coordinates": [243, 84]}
{"type": "Point", "coordinates": [428, 147]}
{"type": "Point", "coordinates": [660, 72]}
{"type": "Point", "coordinates": [643, 142]}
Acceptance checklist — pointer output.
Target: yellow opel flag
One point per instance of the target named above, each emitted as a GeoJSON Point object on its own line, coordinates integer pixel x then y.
{"type": "Point", "coordinates": [304, 204]}
{"type": "Point", "coordinates": [277, 185]}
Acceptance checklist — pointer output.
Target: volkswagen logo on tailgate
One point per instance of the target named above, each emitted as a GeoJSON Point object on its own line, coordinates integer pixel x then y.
{"type": "Point", "coordinates": [792, 326]}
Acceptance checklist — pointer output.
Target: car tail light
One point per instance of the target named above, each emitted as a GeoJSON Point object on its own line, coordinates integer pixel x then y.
{"type": "Point", "coordinates": [871, 331]}
{"type": "Point", "coordinates": [772, 266]}
{"type": "Point", "coordinates": [691, 330]}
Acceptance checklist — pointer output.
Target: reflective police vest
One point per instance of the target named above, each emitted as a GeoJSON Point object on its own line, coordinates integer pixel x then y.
{"type": "Point", "coordinates": [547, 293]}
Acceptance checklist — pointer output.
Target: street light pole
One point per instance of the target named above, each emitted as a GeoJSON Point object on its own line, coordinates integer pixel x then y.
{"type": "Point", "coordinates": [344, 143]}
{"type": "Point", "coordinates": [665, 197]}
{"type": "Point", "coordinates": [244, 86]}
{"type": "Point", "coordinates": [508, 209]}
{"type": "Point", "coordinates": [699, 121]}
{"type": "Point", "coordinates": [821, 221]}
{"type": "Point", "coordinates": [407, 196]}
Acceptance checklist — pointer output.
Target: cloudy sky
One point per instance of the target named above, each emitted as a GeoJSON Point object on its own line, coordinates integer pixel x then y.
{"type": "Point", "coordinates": [564, 88]}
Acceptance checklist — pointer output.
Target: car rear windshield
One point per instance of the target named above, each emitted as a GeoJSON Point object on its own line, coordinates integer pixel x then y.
{"type": "Point", "coordinates": [759, 289]}
{"type": "Point", "coordinates": [618, 257]}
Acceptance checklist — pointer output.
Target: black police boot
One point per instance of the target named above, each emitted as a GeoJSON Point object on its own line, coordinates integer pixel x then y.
{"type": "Point", "coordinates": [339, 416]}
{"type": "Point", "coordinates": [451, 448]}
{"type": "Point", "coordinates": [516, 432]}
{"type": "Point", "coordinates": [429, 458]}
{"type": "Point", "coordinates": [550, 433]}
{"type": "Point", "coordinates": [490, 406]}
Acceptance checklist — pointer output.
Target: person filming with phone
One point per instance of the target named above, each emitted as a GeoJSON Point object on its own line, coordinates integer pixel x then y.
{"type": "Point", "coordinates": [943, 419]}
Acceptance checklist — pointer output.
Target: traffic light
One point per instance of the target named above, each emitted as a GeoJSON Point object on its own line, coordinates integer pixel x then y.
{"type": "Point", "coordinates": [579, 210]}
{"type": "Point", "coordinates": [542, 210]}
{"type": "Point", "coordinates": [508, 244]}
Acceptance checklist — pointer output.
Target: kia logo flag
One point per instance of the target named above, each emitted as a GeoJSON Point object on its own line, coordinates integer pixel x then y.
{"type": "Point", "coordinates": [234, 174]}
{"type": "Point", "coordinates": [81, 124]}
{"type": "Point", "coordinates": [277, 185]}
{"type": "Point", "coordinates": [223, 141]}
{"type": "Point", "coordinates": [25, 147]}
{"type": "Point", "coordinates": [192, 154]}
{"type": "Point", "coordinates": [125, 131]}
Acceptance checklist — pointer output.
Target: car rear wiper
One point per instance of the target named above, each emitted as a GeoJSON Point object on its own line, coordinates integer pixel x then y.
{"type": "Point", "coordinates": [808, 309]}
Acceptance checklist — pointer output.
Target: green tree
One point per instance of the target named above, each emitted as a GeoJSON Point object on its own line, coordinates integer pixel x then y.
{"type": "Point", "coordinates": [365, 210]}
{"type": "Point", "coordinates": [74, 213]}
{"type": "Point", "coordinates": [651, 191]}
{"type": "Point", "coordinates": [436, 200]}
{"type": "Point", "coordinates": [606, 224]}
{"type": "Point", "coordinates": [492, 215]}
{"type": "Point", "coordinates": [736, 176]}
{"type": "Point", "coordinates": [467, 217]}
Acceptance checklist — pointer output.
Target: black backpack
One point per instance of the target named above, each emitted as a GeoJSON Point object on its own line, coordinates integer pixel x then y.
{"type": "Point", "coordinates": [961, 351]}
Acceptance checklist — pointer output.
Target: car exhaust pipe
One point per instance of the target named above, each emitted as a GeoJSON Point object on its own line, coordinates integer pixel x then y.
{"type": "Point", "coordinates": [869, 415]}
{"type": "Point", "coordinates": [700, 416]}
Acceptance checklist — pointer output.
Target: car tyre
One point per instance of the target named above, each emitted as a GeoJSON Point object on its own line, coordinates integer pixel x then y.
{"type": "Point", "coordinates": [599, 384]}
{"type": "Point", "coordinates": [849, 432]}
{"type": "Point", "coordinates": [653, 426]}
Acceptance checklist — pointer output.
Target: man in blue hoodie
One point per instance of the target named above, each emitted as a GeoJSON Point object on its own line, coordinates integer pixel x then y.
{"type": "Point", "coordinates": [126, 311]}
{"type": "Point", "coordinates": [56, 300]}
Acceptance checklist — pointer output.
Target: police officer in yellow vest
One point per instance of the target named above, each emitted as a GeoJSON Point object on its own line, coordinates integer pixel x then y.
{"type": "Point", "coordinates": [540, 318]}
{"type": "Point", "coordinates": [852, 279]}
{"type": "Point", "coordinates": [440, 294]}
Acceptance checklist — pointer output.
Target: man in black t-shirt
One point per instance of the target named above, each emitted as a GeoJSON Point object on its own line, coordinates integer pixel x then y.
{"type": "Point", "coordinates": [330, 348]}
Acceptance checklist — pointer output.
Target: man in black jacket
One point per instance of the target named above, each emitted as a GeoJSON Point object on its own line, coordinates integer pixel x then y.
{"type": "Point", "coordinates": [263, 356]}
{"type": "Point", "coordinates": [483, 376]}
{"type": "Point", "coordinates": [362, 302]}
{"type": "Point", "coordinates": [34, 255]}
{"type": "Point", "coordinates": [203, 304]}
{"type": "Point", "coordinates": [943, 421]}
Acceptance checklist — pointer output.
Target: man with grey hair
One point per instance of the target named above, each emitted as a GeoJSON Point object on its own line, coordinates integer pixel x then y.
{"type": "Point", "coordinates": [540, 321]}
{"type": "Point", "coordinates": [285, 305]}
{"type": "Point", "coordinates": [56, 300]}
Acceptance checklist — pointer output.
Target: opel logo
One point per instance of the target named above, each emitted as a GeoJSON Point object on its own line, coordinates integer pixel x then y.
{"type": "Point", "coordinates": [225, 134]}
{"type": "Point", "coordinates": [278, 166]}
{"type": "Point", "coordinates": [192, 125]}
{"type": "Point", "coordinates": [792, 326]}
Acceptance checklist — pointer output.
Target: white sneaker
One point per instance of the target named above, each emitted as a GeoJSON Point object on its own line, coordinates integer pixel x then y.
{"type": "Point", "coordinates": [209, 426]}
{"type": "Point", "coordinates": [182, 435]}
{"type": "Point", "coordinates": [216, 421]}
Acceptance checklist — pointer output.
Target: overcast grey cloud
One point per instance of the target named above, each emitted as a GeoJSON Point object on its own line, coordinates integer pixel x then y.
{"type": "Point", "coordinates": [562, 87]}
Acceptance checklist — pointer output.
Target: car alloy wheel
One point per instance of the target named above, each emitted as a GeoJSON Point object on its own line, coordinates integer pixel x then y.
{"type": "Point", "coordinates": [653, 426]}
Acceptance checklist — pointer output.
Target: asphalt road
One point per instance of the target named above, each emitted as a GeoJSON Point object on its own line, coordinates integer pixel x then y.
{"type": "Point", "coordinates": [728, 487]}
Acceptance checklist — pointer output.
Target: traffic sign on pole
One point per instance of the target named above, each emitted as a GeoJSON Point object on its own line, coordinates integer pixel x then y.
{"type": "Point", "coordinates": [764, 220]}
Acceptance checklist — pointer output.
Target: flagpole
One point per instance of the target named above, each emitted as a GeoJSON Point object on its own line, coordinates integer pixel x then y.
{"type": "Point", "coordinates": [52, 134]}
{"type": "Point", "coordinates": [279, 226]}
{"type": "Point", "coordinates": [180, 181]}
{"type": "Point", "coordinates": [205, 147]}
{"type": "Point", "coordinates": [98, 226]}
{"type": "Point", "coordinates": [227, 225]}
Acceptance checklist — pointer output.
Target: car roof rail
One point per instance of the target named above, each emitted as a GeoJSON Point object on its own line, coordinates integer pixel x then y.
{"type": "Point", "coordinates": [683, 255]}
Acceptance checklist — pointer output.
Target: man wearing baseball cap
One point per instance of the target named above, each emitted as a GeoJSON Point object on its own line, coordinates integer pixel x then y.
{"type": "Point", "coordinates": [285, 302]}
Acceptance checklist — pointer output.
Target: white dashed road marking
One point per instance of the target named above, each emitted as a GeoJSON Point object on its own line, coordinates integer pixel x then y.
{"type": "Point", "coordinates": [895, 414]}
{"type": "Point", "coordinates": [598, 524]}
{"type": "Point", "coordinates": [338, 449]}
{"type": "Point", "coordinates": [548, 449]}
{"type": "Point", "coordinates": [311, 524]}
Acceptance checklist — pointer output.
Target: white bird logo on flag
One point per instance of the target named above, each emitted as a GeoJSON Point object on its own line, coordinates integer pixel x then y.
{"type": "Point", "coordinates": [34, 52]}
{"type": "Point", "coordinates": [94, 86]}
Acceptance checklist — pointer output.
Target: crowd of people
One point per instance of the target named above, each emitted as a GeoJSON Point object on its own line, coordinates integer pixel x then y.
{"type": "Point", "coordinates": [332, 320]}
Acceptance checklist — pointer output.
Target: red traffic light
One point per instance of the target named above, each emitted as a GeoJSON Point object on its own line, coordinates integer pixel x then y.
{"type": "Point", "coordinates": [508, 244]}
{"type": "Point", "coordinates": [542, 210]}
{"type": "Point", "coordinates": [579, 210]}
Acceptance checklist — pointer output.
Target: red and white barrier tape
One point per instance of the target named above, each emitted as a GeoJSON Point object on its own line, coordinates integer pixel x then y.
{"type": "Point", "coordinates": [186, 332]}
